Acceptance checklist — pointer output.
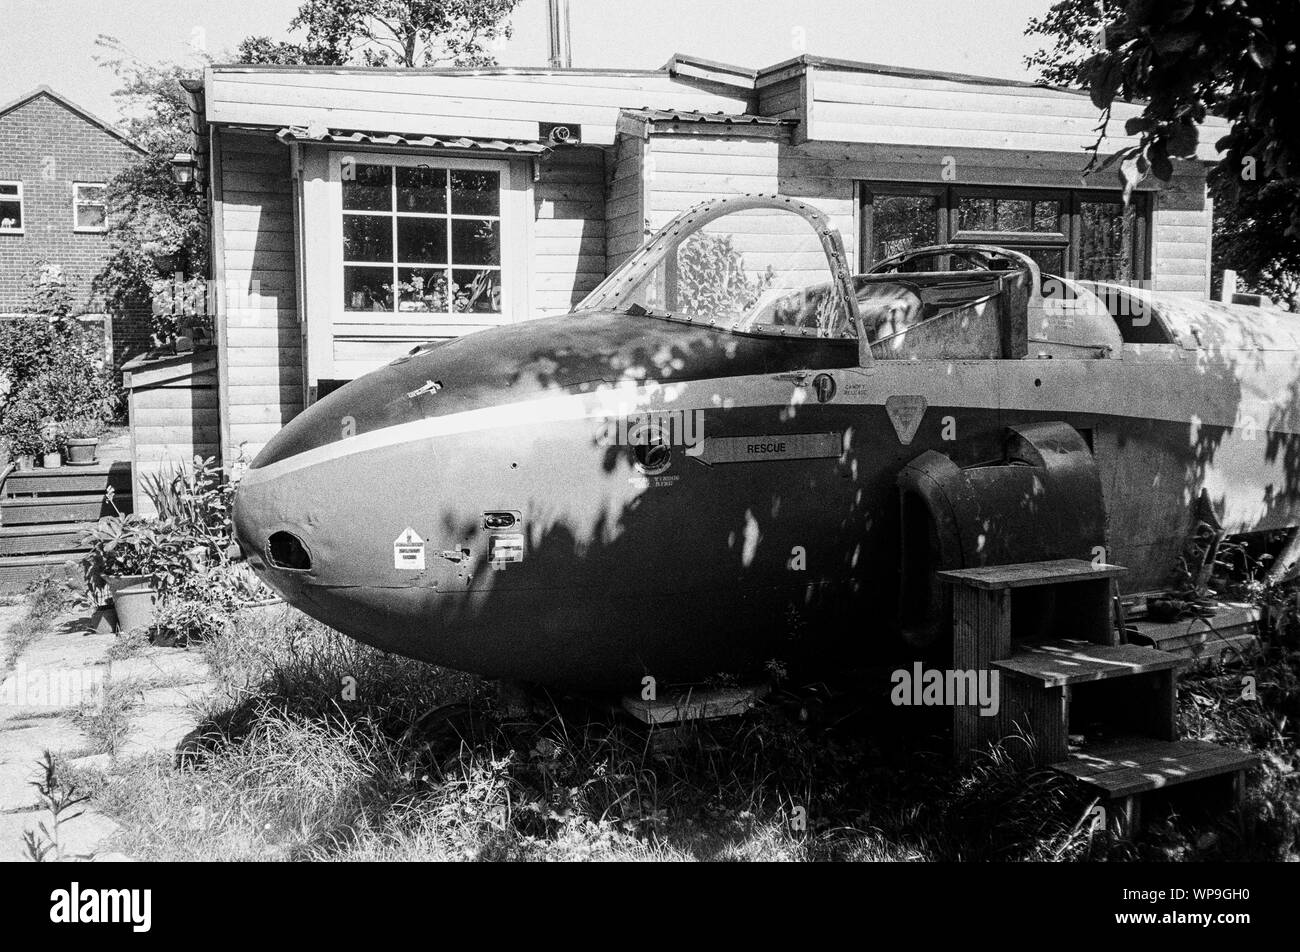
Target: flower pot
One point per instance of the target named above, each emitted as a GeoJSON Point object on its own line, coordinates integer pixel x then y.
{"type": "Point", "coordinates": [26, 463]}
{"type": "Point", "coordinates": [133, 600]}
{"type": "Point", "coordinates": [81, 452]}
{"type": "Point", "coordinates": [52, 460]}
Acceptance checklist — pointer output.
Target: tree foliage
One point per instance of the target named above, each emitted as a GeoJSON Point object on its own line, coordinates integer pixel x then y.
{"type": "Point", "coordinates": [1072, 27]}
{"type": "Point", "coordinates": [156, 227]}
{"type": "Point", "coordinates": [1188, 59]}
{"type": "Point", "coordinates": [404, 33]}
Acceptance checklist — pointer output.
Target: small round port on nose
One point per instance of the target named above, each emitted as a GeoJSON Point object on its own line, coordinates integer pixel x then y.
{"type": "Point", "coordinates": [286, 551]}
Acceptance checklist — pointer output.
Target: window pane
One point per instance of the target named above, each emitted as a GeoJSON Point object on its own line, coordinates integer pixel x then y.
{"type": "Point", "coordinates": [475, 241]}
{"type": "Point", "coordinates": [1008, 214]}
{"type": "Point", "coordinates": [1047, 216]}
{"type": "Point", "coordinates": [90, 193]}
{"type": "Point", "coordinates": [367, 238]}
{"type": "Point", "coordinates": [367, 187]}
{"type": "Point", "coordinates": [8, 189]}
{"type": "Point", "coordinates": [977, 214]}
{"type": "Point", "coordinates": [475, 193]}
{"type": "Point", "coordinates": [367, 289]}
{"type": "Point", "coordinates": [1106, 240]}
{"type": "Point", "coordinates": [477, 292]}
{"type": "Point", "coordinates": [902, 222]}
{"type": "Point", "coordinates": [422, 190]}
{"type": "Point", "coordinates": [422, 289]}
{"type": "Point", "coordinates": [422, 240]}
{"type": "Point", "coordinates": [11, 214]}
{"type": "Point", "coordinates": [90, 216]}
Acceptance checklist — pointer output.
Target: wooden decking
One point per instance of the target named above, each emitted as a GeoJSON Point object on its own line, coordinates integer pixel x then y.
{"type": "Point", "coordinates": [1026, 574]}
{"type": "Point", "coordinates": [1232, 628]}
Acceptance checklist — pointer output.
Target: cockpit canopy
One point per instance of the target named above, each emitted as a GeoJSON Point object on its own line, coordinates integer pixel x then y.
{"type": "Point", "coordinates": [773, 265]}
{"type": "Point", "coordinates": [752, 264]}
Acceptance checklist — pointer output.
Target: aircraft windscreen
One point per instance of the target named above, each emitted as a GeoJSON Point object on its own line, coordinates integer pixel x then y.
{"type": "Point", "coordinates": [758, 270]}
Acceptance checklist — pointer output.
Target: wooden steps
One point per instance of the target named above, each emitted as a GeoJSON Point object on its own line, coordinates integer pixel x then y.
{"type": "Point", "coordinates": [1234, 627]}
{"type": "Point", "coordinates": [1093, 685]}
{"type": "Point", "coordinates": [44, 512]}
{"type": "Point", "coordinates": [1122, 770]}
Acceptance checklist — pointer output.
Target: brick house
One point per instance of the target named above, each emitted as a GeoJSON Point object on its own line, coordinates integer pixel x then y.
{"type": "Point", "coordinates": [55, 159]}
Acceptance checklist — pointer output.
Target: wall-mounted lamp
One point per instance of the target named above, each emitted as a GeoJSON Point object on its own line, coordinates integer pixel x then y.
{"type": "Point", "coordinates": [183, 168]}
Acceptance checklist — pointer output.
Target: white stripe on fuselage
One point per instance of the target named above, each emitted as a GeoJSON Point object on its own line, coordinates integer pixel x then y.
{"type": "Point", "coordinates": [1178, 391]}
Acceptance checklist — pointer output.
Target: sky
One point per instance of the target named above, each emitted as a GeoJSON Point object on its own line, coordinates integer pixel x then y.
{"type": "Point", "coordinates": [52, 42]}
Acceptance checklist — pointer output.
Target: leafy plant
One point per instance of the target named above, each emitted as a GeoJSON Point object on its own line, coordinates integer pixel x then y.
{"type": "Point", "coordinates": [153, 220]}
{"type": "Point", "coordinates": [83, 428]}
{"type": "Point", "coordinates": [196, 502]}
{"type": "Point", "coordinates": [60, 800]}
{"type": "Point", "coordinates": [127, 545]}
{"type": "Point", "coordinates": [20, 428]}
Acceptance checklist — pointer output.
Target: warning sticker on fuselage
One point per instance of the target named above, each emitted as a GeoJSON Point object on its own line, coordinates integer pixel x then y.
{"type": "Point", "coordinates": [408, 551]}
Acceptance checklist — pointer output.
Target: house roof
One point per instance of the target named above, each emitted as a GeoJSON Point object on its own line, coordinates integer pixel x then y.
{"type": "Point", "coordinates": [833, 100]}
{"type": "Point", "coordinates": [71, 106]}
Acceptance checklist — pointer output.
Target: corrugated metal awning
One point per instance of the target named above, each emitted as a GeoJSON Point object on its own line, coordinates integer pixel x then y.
{"type": "Point", "coordinates": [356, 137]}
{"type": "Point", "coordinates": [691, 115]}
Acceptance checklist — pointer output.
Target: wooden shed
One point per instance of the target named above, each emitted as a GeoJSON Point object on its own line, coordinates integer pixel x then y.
{"type": "Point", "coordinates": [359, 212]}
{"type": "Point", "coordinates": [173, 413]}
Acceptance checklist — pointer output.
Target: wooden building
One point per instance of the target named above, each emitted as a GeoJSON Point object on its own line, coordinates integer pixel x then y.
{"type": "Point", "coordinates": [358, 212]}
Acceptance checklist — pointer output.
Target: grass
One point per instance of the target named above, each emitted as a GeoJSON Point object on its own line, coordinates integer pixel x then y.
{"type": "Point", "coordinates": [421, 764]}
{"type": "Point", "coordinates": [316, 747]}
{"type": "Point", "coordinates": [45, 599]}
{"type": "Point", "coordinates": [105, 718]}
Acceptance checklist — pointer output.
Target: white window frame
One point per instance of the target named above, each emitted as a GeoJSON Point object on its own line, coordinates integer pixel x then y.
{"type": "Point", "coordinates": [77, 203]}
{"type": "Point", "coordinates": [418, 325]}
{"type": "Point", "coordinates": [22, 209]}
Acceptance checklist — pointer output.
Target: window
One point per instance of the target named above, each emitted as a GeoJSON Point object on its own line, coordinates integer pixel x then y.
{"type": "Point", "coordinates": [1086, 234]}
{"type": "Point", "coordinates": [89, 207]}
{"type": "Point", "coordinates": [11, 206]}
{"type": "Point", "coordinates": [421, 239]}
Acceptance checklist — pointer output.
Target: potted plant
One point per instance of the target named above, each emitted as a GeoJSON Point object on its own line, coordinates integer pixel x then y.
{"type": "Point", "coordinates": [51, 456]}
{"type": "Point", "coordinates": [81, 439]}
{"type": "Point", "coordinates": [133, 559]}
{"type": "Point", "coordinates": [20, 428]}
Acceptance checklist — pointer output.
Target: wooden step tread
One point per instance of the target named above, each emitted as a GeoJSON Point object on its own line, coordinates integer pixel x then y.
{"type": "Point", "coordinates": [57, 558]}
{"type": "Point", "coordinates": [1126, 766]}
{"type": "Point", "coordinates": [99, 467]}
{"type": "Point", "coordinates": [1056, 663]}
{"type": "Point", "coordinates": [77, 499]}
{"type": "Point", "coordinates": [1025, 574]}
{"type": "Point", "coordinates": [48, 529]}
